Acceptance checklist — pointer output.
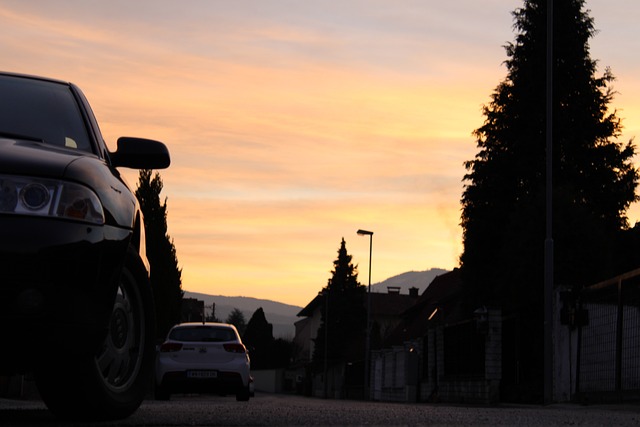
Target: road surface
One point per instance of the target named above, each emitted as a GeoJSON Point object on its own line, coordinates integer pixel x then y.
{"type": "Point", "coordinates": [284, 410]}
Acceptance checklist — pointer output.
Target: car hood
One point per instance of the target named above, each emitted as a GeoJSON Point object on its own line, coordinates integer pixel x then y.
{"type": "Point", "coordinates": [35, 158]}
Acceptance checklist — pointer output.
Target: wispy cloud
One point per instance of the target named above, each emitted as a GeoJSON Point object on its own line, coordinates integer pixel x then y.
{"type": "Point", "coordinates": [292, 124]}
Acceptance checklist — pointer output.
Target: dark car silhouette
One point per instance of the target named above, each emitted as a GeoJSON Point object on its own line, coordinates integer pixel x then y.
{"type": "Point", "coordinates": [76, 307]}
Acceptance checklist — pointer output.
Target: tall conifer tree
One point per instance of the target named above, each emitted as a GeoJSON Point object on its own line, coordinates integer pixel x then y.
{"type": "Point", "coordinates": [343, 314]}
{"type": "Point", "coordinates": [165, 275]}
{"type": "Point", "coordinates": [594, 181]}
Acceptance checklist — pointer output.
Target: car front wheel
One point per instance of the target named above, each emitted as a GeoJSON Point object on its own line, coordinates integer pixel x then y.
{"type": "Point", "coordinates": [112, 383]}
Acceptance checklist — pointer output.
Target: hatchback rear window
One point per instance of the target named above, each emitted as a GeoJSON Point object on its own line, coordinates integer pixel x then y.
{"type": "Point", "coordinates": [202, 333]}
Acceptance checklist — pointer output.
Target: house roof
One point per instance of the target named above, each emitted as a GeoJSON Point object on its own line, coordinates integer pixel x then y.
{"type": "Point", "coordinates": [444, 291]}
{"type": "Point", "coordinates": [390, 304]}
{"type": "Point", "coordinates": [442, 294]}
{"type": "Point", "coordinates": [308, 310]}
{"type": "Point", "coordinates": [382, 304]}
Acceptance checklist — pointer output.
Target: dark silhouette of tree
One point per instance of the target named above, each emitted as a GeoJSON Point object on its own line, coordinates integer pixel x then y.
{"type": "Point", "coordinates": [236, 318]}
{"type": "Point", "coordinates": [343, 314]}
{"type": "Point", "coordinates": [594, 181]}
{"type": "Point", "coordinates": [165, 275]}
{"type": "Point", "coordinates": [258, 337]}
{"type": "Point", "coordinates": [266, 352]}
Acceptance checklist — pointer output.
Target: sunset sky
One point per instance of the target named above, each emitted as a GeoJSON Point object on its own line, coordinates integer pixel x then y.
{"type": "Point", "coordinates": [294, 123]}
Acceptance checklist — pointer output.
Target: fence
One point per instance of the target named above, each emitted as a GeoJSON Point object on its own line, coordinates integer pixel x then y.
{"type": "Point", "coordinates": [608, 358]}
{"type": "Point", "coordinates": [458, 362]}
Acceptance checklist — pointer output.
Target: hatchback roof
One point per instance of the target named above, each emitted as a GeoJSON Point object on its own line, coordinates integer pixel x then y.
{"type": "Point", "coordinates": [191, 324]}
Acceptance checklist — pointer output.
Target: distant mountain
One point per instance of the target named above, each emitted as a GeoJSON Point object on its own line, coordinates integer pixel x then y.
{"type": "Point", "coordinates": [411, 279]}
{"type": "Point", "coordinates": [281, 316]}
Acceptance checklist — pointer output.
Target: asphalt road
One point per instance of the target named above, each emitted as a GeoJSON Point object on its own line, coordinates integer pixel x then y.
{"type": "Point", "coordinates": [283, 410]}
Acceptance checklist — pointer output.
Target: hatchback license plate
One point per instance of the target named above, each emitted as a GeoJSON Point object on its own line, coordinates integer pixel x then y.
{"type": "Point", "coordinates": [202, 374]}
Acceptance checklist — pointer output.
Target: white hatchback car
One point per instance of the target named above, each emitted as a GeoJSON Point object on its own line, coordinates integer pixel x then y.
{"type": "Point", "coordinates": [203, 358]}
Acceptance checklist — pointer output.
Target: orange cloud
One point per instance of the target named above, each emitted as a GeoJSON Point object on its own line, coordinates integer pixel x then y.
{"type": "Point", "coordinates": [291, 128]}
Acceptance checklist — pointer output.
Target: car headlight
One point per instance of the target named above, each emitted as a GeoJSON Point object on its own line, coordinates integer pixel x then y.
{"type": "Point", "coordinates": [47, 197]}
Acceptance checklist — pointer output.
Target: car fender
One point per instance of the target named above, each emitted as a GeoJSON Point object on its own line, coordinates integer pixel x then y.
{"type": "Point", "coordinates": [118, 201]}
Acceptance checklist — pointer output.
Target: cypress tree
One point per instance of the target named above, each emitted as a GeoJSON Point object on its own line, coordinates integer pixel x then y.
{"type": "Point", "coordinates": [258, 337]}
{"type": "Point", "coordinates": [165, 275]}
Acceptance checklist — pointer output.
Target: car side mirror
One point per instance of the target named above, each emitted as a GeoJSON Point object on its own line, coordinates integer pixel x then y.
{"type": "Point", "coordinates": [140, 153]}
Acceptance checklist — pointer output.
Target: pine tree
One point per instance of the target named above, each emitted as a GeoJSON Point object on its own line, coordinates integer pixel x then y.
{"type": "Point", "coordinates": [236, 318]}
{"type": "Point", "coordinates": [504, 200]}
{"type": "Point", "coordinates": [165, 276]}
{"type": "Point", "coordinates": [594, 179]}
{"type": "Point", "coordinates": [343, 315]}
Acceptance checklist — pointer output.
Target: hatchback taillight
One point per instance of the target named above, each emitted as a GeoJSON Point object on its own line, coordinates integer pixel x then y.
{"type": "Point", "coordinates": [169, 347]}
{"type": "Point", "coordinates": [235, 348]}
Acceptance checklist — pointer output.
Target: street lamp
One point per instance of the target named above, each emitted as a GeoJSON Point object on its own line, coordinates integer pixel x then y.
{"type": "Point", "coordinates": [367, 354]}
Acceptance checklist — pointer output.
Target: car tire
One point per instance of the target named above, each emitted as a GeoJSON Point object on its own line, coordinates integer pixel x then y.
{"type": "Point", "coordinates": [243, 395]}
{"type": "Point", "coordinates": [111, 383]}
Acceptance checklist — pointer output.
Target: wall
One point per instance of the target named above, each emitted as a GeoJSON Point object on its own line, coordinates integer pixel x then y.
{"type": "Point", "coordinates": [268, 380]}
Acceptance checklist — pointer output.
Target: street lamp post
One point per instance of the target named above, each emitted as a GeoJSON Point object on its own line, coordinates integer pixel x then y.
{"type": "Point", "coordinates": [548, 243]}
{"type": "Point", "coordinates": [367, 353]}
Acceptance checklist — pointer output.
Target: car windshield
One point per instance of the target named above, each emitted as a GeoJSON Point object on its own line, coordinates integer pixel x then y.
{"type": "Point", "coordinates": [202, 333]}
{"type": "Point", "coordinates": [41, 110]}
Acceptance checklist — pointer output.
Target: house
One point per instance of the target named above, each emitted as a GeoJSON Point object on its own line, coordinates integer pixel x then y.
{"type": "Point", "coordinates": [441, 350]}
{"type": "Point", "coordinates": [386, 309]}
{"type": "Point", "coordinates": [441, 300]}
{"type": "Point", "coordinates": [307, 329]}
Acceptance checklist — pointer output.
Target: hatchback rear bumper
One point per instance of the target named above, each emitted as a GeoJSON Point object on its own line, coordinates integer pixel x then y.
{"type": "Point", "coordinates": [224, 383]}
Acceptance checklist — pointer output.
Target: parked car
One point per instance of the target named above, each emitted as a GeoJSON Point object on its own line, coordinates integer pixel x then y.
{"type": "Point", "coordinates": [203, 358]}
{"type": "Point", "coordinates": [76, 306]}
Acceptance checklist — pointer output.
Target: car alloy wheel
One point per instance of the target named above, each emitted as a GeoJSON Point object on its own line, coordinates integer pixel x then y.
{"type": "Point", "coordinates": [112, 383]}
{"type": "Point", "coordinates": [120, 357]}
